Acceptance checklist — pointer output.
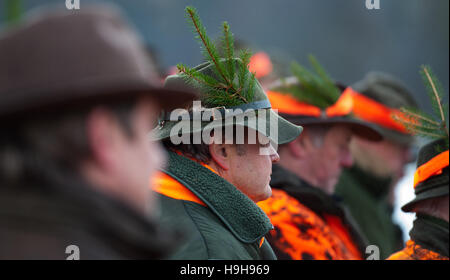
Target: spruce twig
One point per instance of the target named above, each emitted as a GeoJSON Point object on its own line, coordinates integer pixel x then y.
{"type": "Point", "coordinates": [209, 47]}
{"type": "Point", "coordinates": [438, 99]}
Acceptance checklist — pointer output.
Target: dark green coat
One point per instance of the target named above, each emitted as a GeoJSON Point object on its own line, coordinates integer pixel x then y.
{"type": "Point", "coordinates": [230, 227]}
{"type": "Point", "coordinates": [366, 197]}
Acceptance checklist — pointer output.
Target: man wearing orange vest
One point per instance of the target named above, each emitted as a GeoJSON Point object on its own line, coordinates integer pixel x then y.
{"type": "Point", "coordinates": [209, 188]}
{"type": "Point", "coordinates": [430, 232]}
{"type": "Point", "coordinates": [309, 223]}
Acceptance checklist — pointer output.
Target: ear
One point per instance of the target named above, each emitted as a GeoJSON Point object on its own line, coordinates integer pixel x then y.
{"type": "Point", "coordinates": [220, 154]}
{"type": "Point", "coordinates": [101, 137]}
{"type": "Point", "coordinates": [297, 148]}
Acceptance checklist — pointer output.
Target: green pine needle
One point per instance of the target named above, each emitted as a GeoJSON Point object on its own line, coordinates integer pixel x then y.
{"type": "Point", "coordinates": [422, 124]}
{"type": "Point", "coordinates": [316, 88]}
{"type": "Point", "coordinates": [231, 86]}
{"type": "Point", "coordinates": [228, 42]}
{"type": "Point", "coordinates": [209, 50]}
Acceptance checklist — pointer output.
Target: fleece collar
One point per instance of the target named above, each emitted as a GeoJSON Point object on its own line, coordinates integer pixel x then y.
{"type": "Point", "coordinates": [431, 233]}
{"type": "Point", "coordinates": [238, 212]}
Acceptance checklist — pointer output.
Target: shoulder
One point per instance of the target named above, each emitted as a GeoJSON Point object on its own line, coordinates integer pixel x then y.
{"type": "Point", "coordinates": [206, 237]}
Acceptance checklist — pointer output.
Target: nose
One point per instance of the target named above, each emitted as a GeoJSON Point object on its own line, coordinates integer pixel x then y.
{"type": "Point", "coordinates": [275, 157]}
{"type": "Point", "coordinates": [347, 159]}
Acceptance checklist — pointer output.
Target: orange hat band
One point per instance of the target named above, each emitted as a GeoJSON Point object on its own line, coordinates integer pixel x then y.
{"type": "Point", "coordinates": [374, 112]}
{"type": "Point", "coordinates": [350, 101]}
{"type": "Point", "coordinates": [287, 104]}
{"type": "Point", "coordinates": [432, 168]}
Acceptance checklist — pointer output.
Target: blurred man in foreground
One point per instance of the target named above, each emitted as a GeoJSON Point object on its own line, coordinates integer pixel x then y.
{"type": "Point", "coordinates": [77, 101]}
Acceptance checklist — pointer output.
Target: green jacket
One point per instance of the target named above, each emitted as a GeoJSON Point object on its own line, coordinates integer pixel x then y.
{"type": "Point", "coordinates": [365, 196]}
{"type": "Point", "coordinates": [229, 227]}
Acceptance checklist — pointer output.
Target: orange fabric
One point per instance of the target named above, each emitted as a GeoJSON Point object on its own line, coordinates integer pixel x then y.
{"type": "Point", "coordinates": [301, 234]}
{"type": "Point", "coordinates": [432, 168]}
{"type": "Point", "coordinates": [166, 185]}
{"type": "Point", "coordinates": [286, 104]}
{"type": "Point", "coordinates": [342, 233]}
{"type": "Point", "coordinates": [374, 112]}
{"type": "Point", "coordinates": [260, 64]}
{"type": "Point", "coordinates": [261, 242]}
{"type": "Point", "coordinates": [343, 106]}
{"type": "Point", "coordinates": [414, 251]}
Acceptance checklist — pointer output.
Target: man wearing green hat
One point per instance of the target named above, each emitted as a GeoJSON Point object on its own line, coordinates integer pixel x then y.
{"type": "Point", "coordinates": [430, 232]}
{"type": "Point", "coordinates": [367, 188]}
{"type": "Point", "coordinates": [309, 223]}
{"type": "Point", "coordinates": [220, 156]}
{"type": "Point", "coordinates": [77, 99]}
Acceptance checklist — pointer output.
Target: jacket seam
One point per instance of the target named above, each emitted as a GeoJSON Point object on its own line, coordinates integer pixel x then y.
{"type": "Point", "coordinates": [198, 228]}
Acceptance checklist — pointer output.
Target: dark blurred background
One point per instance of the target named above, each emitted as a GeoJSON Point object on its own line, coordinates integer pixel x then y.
{"type": "Point", "coordinates": [348, 39]}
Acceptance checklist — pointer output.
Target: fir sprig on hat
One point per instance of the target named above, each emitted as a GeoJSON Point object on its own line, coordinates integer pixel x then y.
{"type": "Point", "coordinates": [232, 84]}
{"type": "Point", "coordinates": [434, 126]}
{"type": "Point", "coordinates": [312, 87]}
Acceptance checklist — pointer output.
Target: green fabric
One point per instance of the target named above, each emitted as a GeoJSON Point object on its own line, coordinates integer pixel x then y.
{"type": "Point", "coordinates": [365, 196]}
{"type": "Point", "coordinates": [316, 200]}
{"type": "Point", "coordinates": [431, 233]}
{"type": "Point", "coordinates": [230, 227]}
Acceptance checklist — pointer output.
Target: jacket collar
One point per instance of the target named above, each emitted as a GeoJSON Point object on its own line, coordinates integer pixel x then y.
{"type": "Point", "coordinates": [431, 233]}
{"type": "Point", "coordinates": [240, 214]}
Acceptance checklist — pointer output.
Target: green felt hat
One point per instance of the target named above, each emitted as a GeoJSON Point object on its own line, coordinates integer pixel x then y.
{"type": "Point", "coordinates": [431, 177]}
{"type": "Point", "coordinates": [316, 88]}
{"type": "Point", "coordinates": [230, 94]}
{"type": "Point", "coordinates": [434, 186]}
{"type": "Point", "coordinates": [389, 91]}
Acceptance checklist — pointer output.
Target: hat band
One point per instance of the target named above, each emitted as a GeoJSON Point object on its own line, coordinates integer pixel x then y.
{"type": "Point", "coordinates": [431, 168]}
{"type": "Point", "coordinates": [374, 112]}
{"type": "Point", "coordinates": [287, 104]}
{"type": "Point", "coordinates": [224, 112]}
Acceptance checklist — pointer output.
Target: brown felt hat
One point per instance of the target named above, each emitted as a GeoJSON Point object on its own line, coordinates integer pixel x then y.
{"type": "Point", "coordinates": [59, 58]}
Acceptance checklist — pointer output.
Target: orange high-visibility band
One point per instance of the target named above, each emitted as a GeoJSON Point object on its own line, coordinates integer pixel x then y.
{"type": "Point", "coordinates": [287, 104]}
{"type": "Point", "coordinates": [374, 112]}
{"type": "Point", "coordinates": [350, 101]}
{"type": "Point", "coordinates": [432, 168]}
{"type": "Point", "coordinates": [168, 186]}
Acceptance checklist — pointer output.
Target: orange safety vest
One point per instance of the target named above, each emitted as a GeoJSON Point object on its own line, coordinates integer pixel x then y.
{"type": "Point", "coordinates": [414, 251]}
{"type": "Point", "coordinates": [302, 234]}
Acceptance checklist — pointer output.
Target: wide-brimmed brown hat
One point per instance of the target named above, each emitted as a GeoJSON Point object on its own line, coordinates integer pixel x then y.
{"type": "Point", "coordinates": [59, 58]}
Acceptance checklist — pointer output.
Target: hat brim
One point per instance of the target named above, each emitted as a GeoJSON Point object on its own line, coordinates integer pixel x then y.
{"type": "Point", "coordinates": [360, 129]}
{"type": "Point", "coordinates": [276, 128]}
{"type": "Point", "coordinates": [436, 186]}
{"type": "Point", "coordinates": [91, 92]}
